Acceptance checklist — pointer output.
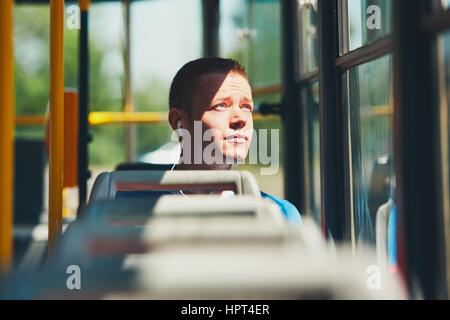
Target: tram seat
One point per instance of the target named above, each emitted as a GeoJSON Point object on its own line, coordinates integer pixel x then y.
{"type": "Point", "coordinates": [218, 272]}
{"type": "Point", "coordinates": [143, 166]}
{"type": "Point", "coordinates": [111, 185]}
{"type": "Point", "coordinates": [29, 186]}
{"type": "Point", "coordinates": [126, 225]}
{"type": "Point", "coordinates": [223, 274]}
{"type": "Point", "coordinates": [382, 222]}
{"type": "Point", "coordinates": [29, 181]}
{"type": "Point", "coordinates": [137, 212]}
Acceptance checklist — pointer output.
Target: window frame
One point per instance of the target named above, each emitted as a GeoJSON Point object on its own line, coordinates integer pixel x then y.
{"type": "Point", "coordinates": [335, 164]}
{"type": "Point", "coordinates": [435, 23]}
{"type": "Point", "coordinates": [303, 81]}
{"type": "Point", "coordinates": [334, 67]}
{"type": "Point", "coordinates": [416, 168]}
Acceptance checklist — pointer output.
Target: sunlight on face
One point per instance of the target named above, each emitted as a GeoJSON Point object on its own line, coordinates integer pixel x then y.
{"type": "Point", "coordinates": [228, 114]}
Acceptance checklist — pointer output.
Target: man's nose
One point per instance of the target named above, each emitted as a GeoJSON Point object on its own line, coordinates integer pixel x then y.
{"type": "Point", "coordinates": [237, 120]}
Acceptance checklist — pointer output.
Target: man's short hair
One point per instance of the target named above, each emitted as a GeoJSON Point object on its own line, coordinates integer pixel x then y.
{"type": "Point", "coordinates": [184, 84]}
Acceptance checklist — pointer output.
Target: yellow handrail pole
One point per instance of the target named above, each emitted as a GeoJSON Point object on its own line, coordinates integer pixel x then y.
{"type": "Point", "coordinates": [97, 118]}
{"type": "Point", "coordinates": [102, 118]}
{"type": "Point", "coordinates": [30, 120]}
{"type": "Point", "coordinates": [6, 133]}
{"type": "Point", "coordinates": [56, 157]}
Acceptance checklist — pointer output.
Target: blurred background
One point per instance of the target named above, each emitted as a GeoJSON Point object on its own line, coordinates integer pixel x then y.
{"type": "Point", "coordinates": [155, 58]}
{"type": "Point", "coordinates": [363, 108]}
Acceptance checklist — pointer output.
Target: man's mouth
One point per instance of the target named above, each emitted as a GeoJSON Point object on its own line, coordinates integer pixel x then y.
{"type": "Point", "coordinates": [236, 138]}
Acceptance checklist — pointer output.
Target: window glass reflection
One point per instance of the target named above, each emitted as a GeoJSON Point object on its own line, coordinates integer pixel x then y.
{"type": "Point", "coordinates": [369, 102]}
{"type": "Point", "coordinates": [155, 60]}
{"type": "Point", "coordinates": [310, 101]}
{"type": "Point", "coordinates": [308, 35]}
{"type": "Point", "coordinates": [364, 21]}
{"type": "Point", "coordinates": [250, 32]}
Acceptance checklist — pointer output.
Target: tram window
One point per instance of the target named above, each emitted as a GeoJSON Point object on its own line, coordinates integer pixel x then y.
{"type": "Point", "coordinates": [109, 139]}
{"type": "Point", "coordinates": [308, 36]}
{"type": "Point", "coordinates": [363, 22]}
{"type": "Point", "coordinates": [105, 54]}
{"type": "Point", "coordinates": [155, 61]}
{"type": "Point", "coordinates": [32, 63]}
{"type": "Point", "coordinates": [250, 31]}
{"type": "Point", "coordinates": [310, 101]}
{"type": "Point", "coordinates": [156, 56]}
{"type": "Point", "coordinates": [32, 38]}
{"type": "Point", "coordinates": [106, 82]}
{"type": "Point", "coordinates": [369, 101]}
{"type": "Point", "coordinates": [271, 181]}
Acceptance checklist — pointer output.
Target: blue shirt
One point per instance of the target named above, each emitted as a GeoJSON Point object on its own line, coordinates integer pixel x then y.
{"type": "Point", "coordinates": [392, 237]}
{"type": "Point", "coordinates": [289, 211]}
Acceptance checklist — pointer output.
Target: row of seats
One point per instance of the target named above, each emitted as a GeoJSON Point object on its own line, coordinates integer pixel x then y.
{"type": "Point", "coordinates": [141, 237]}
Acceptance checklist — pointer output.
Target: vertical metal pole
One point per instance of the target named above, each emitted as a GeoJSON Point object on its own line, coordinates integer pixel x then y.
{"type": "Point", "coordinates": [292, 122]}
{"type": "Point", "coordinates": [83, 109]}
{"type": "Point", "coordinates": [444, 156]}
{"type": "Point", "coordinates": [56, 160]}
{"type": "Point", "coordinates": [331, 125]}
{"type": "Point", "coordinates": [6, 134]}
{"type": "Point", "coordinates": [415, 140]}
{"type": "Point", "coordinates": [210, 28]}
{"type": "Point", "coordinates": [131, 136]}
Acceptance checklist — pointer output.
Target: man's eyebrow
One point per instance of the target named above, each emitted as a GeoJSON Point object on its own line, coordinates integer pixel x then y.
{"type": "Point", "coordinates": [248, 99]}
{"type": "Point", "coordinates": [222, 98]}
{"type": "Point", "coordinates": [245, 98]}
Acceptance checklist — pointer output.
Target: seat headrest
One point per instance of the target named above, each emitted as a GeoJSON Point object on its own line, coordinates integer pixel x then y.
{"type": "Point", "coordinates": [109, 184]}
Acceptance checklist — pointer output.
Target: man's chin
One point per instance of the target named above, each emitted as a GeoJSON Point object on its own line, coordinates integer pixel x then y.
{"type": "Point", "coordinates": [235, 155]}
{"type": "Point", "coordinates": [235, 158]}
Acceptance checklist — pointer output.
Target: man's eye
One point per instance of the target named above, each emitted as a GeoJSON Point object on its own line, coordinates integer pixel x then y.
{"type": "Point", "coordinates": [220, 106]}
{"type": "Point", "coordinates": [247, 107]}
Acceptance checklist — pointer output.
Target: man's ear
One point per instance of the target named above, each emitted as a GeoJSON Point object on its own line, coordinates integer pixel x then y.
{"type": "Point", "coordinates": [175, 115]}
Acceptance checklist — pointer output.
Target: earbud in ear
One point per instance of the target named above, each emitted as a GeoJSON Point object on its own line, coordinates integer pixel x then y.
{"type": "Point", "coordinates": [179, 133]}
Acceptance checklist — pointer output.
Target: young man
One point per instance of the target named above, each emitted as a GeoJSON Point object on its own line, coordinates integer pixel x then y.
{"type": "Point", "coordinates": [212, 98]}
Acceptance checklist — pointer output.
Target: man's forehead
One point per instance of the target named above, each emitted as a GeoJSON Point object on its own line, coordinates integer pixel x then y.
{"type": "Point", "coordinates": [219, 76]}
{"type": "Point", "coordinates": [219, 84]}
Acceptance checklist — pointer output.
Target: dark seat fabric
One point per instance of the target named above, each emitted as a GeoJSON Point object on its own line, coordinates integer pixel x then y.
{"type": "Point", "coordinates": [143, 166]}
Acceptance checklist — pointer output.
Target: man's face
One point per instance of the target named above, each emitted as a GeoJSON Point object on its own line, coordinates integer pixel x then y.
{"type": "Point", "coordinates": [224, 104]}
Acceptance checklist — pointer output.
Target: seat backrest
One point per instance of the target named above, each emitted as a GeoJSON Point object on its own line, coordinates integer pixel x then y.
{"type": "Point", "coordinates": [141, 166]}
{"type": "Point", "coordinates": [130, 225]}
{"type": "Point", "coordinates": [110, 185]}
{"type": "Point", "coordinates": [227, 271]}
{"type": "Point", "coordinates": [382, 221]}
{"type": "Point", "coordinates": [138, 212]}
{"type": "Point", "coordinates": [30, 163]}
